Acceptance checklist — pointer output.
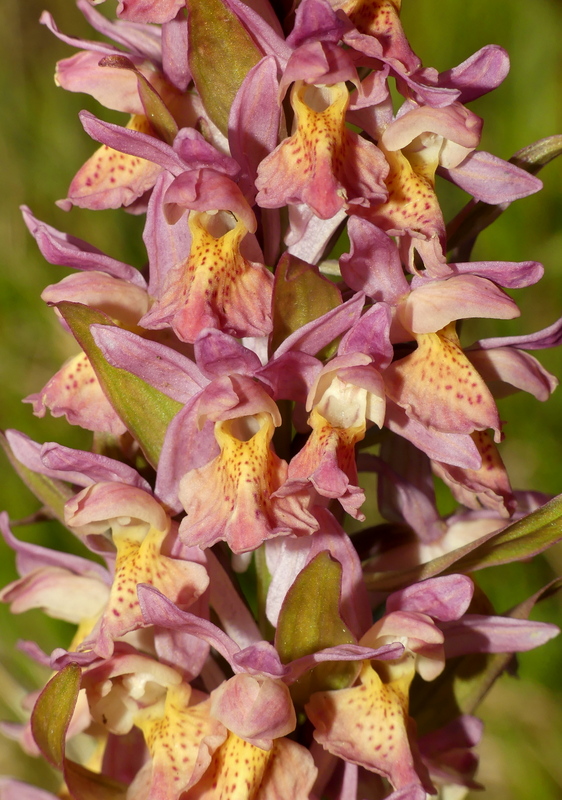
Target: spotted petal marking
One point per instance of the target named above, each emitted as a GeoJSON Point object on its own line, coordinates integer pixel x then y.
{"type": "Point", "coordinates": [438, 386]}
{"type": "Point", "coordinates": [215, 287]}
{"type": "Point", "coordinates": [74, 392]}
{"type": "Point", "coordinates": [368, 724]}
{"type": "Point", "coordinates": [381, 19]}
{"type": "Point", "coordinates": [327, 461]}
{"type": "Point", "coordinates": [487, 487]}
{"type": "Point", "coordinates": [139, 561]}
{"type": "Point", "coordinates": [181, 740]}
{"type": "Point", "coordinates": [412, 205]}
{"type": "Point", "coordinates": [323, 164]}
{"type": "Point", "coordinates": [231, 497]}
{"type": "Point", "coordinates": [236, 772]}
{"type": "Point", "coordinates": [111, 179]}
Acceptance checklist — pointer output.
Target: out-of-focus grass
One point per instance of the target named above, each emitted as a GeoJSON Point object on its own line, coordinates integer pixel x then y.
{"type": "Point", "coordinates": [41, 146]}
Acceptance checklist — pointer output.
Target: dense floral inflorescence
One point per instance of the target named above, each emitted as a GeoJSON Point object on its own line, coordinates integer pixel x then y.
{"type": "Point", "coordinates": [233, 641]}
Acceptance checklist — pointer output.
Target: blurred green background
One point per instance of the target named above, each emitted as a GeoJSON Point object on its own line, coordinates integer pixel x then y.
{"type": "Point", "coordinates": [42, 145]}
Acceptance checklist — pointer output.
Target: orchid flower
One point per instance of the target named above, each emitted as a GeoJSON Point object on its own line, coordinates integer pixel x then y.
{"type": "Point", "coordinates": [275, 605]}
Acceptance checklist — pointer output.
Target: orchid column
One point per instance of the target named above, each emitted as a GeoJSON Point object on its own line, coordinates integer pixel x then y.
{"type": "Point", "coordinates": [232, 639]}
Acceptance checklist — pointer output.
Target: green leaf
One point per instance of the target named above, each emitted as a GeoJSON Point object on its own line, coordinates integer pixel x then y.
{"type": "Point", "coordinates": [523, 539]}
{"type": "Point", "coordinates": [309, 621]}
{"type": "Point", "coordinates": [53, 711]}
{"type": "Point", "coordinates": [145, 411]}
{"type": "Point", "coordinates": [221, 53]}
{"type": "Point", "coordinates": [52, 493]}
{"type": "Point", "coordinates": [155, 109]}
{"type": "Point", "coordinates": [300, 295]}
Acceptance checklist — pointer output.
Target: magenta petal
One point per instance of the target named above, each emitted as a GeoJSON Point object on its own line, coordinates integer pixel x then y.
{"type": "Point", "coordinates": [82, 467]}
{"type": "Point", "coordinates": [455, 123]}
{"type": "Point", "coordinates": [479, 74]}
{"type": "Point", "coordinates": [166, 244]}
{"type": "Point", "coordinates": [260, 658]}
{"type": "Point", "coordinates": [371, 335]}
{"type": "Point", "coordinates": [547, 337]}
{"type": "Point", "coordinates": [187, 446]}
{"type": "Point", "coordinates": [68, 251]}
{"type": "Point", "coordinates": [112, 87]}
{"type": "Point", "coordinates": [159, 610]}
{"type": "Point", "coordinates": [254, 121]}
{"type": "Point", "coordinates": [142, 40]}
{"type": "Point", "coordinates": [233, 613]}
{"type": "Point", "coordinates": [261, 20]}
{"type": "Point", "coordinates": [443, 598]}
{"type": "Point", "coordinates": [256, 709]}
{"type": "Point", "coordinates": [373, 263]}
{"type": "Point", "coordinates": [132, 142]}
{"type": "Point", "coordinates": [174, 51]}
{"type": "Point", "coordinates": [308, 235]}
{"type": "Point", "coordinates": [402, 499]}
{"type": "Point", "coordinates": [100, 47]}
{"type": "Point", "coordinates": [344, 652]}
{"type": "Point", "coordinates": [315, 335]}
{"type": "Point", "coordinates": [316, 20]}
{"type": "Point", "coordinates": [115, 297]}
{"type": "Point", "coordinates": [291, 375]}
{"type": "Point", "coordinates": [11, 789]}
{"type": "Point", "coordinates": [434, 305]}
{"type": "Point", "coordinates": [510, 274]}
{"type": "Point", "coordinates": [457, 449]}
{"type": "Point", "coordinates": [491, 179]}
{"type": "Point", "coordinates": [219, 354]}
{"type": "Point", "coordinates": [160, 366]}
{"type": "Point", "coordinates": [475, 633]}
{"type": "Point", "coordinates": [319, 63]}
{"type": "Point", "coordinates": [412, 792]}
{"type": "Point", "coordinates": [506, 369]}
{"type": "Point", "coordinates": [29, 454]}
{"type": "Point", "coordinates": [30, 557]}
{"type": "Point", "coordinates": [145, 11]}
{"type": "Point", "coordinates": [287, 557]}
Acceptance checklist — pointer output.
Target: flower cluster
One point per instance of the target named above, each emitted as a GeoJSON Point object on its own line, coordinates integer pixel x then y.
{"type": "Point", "coordinates": [233, 641]}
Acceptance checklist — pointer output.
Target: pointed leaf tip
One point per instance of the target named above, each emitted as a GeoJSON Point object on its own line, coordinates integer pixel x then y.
{"type": "Point", "coordinates": [309, 621]}
{"type": "Point", "coordinates": [218, 38]}
{"type": "Point", "coordinates": [53, 711]}
{"type": "Point", "coordinates": [145, 411]}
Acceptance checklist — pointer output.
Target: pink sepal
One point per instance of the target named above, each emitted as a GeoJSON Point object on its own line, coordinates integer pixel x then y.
{"type": "Point", "coordinates": [444, 598]}
{"type": "Point", "coordinates": [253, 126]}
{"type": "Point", "coordinates": [79, 467]}
{"type": "Point", "coordinates": [115, 297]}
{"type": "Point", "coordinates": [68, 251]}
{"type": "Point", "coordinates": [373, 263]}
{"type": "Point", "coordinates": [478, 74]}
{"type": "Point", "coordinates": [506, 369]}
{"type": "Point", "coordinates": [149, 11]}
{"type": "Point", "coordinates": [433, 305]}
{"type": "Point", "coordinates": [452, 448]}
{"type": "Point", "coordinates": [113, 87]}
{"type": "Point", "coordinates": [166, 244]}
{"type": "Point", "coordinates": [162, 367]}
{"type": "Point", "coordinates": [491, 179]}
